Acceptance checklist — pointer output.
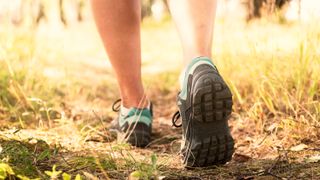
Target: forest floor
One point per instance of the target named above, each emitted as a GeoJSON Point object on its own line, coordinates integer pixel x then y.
{"type": "Point", "coordinates": [57, 89]}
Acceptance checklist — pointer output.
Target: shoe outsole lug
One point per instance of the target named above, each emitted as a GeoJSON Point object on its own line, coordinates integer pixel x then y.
{"type": "Point", "coordinates": [212, 101]}
{"type": "Point", "coordinates": [213, 154]}
{"type": "Point", "coordinates": [218, 104]}
{"type": "Point", "coordinates": [211, 107]}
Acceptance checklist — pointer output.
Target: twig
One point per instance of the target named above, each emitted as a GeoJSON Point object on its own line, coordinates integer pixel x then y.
{"type": "Point", "coordinates": [65, 160]}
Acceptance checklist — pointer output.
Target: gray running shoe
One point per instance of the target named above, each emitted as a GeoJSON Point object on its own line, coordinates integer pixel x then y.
{"type": "Point", "coordinates": [205, 104]}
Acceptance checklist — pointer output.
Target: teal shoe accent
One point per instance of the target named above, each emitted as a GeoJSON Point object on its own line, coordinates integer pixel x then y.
{"type": "Point", "coordinates": [136, 115]}
{"type": "Point", "coordinates": [190, 69]}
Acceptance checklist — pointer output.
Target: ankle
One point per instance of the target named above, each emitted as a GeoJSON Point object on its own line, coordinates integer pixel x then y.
{"type": "Point", "coordinates": [140, 102]}
{"type": "Point", "coordinates": [189, 57]}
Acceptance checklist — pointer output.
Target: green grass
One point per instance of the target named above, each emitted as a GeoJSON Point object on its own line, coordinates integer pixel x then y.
{"type": "Point", "coordinates": [24, 157]}
{"type": "Point", "coordinates": [25, 94]}
{"type": "Point", "coordinates": [34, 158]}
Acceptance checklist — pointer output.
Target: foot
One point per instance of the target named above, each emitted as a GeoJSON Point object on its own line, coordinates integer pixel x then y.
{"type": "Point", "coordinates": [134, 126]}
{"type": "Point", "coordinates": [205, 104]}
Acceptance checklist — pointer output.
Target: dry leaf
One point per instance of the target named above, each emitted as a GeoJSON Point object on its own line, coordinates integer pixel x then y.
{"type": "Point", "coordinates": [313, 159]}
{"type": "Point", "coordinates": [241, 157]}
{"type": "Point", "coordinates": [299, 147]}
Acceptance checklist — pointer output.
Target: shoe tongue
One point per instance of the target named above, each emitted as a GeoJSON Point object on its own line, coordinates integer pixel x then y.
{"type": "Point", "coordinates": [124, 111]}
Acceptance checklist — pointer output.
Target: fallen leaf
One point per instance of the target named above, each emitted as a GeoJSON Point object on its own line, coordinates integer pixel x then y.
{"type": "Point", "coordinates": [299, 147]}
{"type": "Point", "coordinates": [241, 157]}
{"type": "Point", "coordinates": [313, 159]}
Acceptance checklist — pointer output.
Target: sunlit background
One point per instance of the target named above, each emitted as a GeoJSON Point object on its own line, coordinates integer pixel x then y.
{"type": "Point", "coordinates": [69, 23]}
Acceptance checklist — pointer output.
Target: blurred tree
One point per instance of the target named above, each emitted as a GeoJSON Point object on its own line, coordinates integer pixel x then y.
{"type": "Point", "coordinates": [33, 12]}
{"type": "Point", "coordinates": [256, 7]}
{"type": "Point", "coordinates": [62, 13]}
{"type": "Point", "coordinates": [80, 8]}
{"type": "Point", "coordinates": [41, 14]}
{"type": "Point", "coordinates": [146, 8]}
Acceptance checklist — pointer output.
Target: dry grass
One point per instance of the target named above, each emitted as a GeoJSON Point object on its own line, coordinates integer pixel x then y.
{"type": "Point", "coordinates": [57, 87]}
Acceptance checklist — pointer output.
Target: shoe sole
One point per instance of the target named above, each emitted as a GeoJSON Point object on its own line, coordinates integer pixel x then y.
{"type": "Point", "coordinates": [139, 137]}
{"type": "Point", "coordinates": [210, 141]}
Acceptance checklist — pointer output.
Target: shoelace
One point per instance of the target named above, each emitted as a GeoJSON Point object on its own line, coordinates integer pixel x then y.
{"type": "Point", "coordinates": [175, 118]}
{"type": "Point", "coordinates": [116, 105]}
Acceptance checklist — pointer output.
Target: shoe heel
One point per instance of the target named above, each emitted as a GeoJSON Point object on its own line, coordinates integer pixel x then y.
{"type": "Point", "coordinates": [211, 142]}
{"type": "Point", "coordinates": [213, 150]}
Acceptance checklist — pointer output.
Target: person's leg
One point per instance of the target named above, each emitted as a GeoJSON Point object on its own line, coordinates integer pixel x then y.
{"type": "Point", "coordinates": [194, 20]}
{"type": "Point", "coordinates": [119, 25]}
{"type": "Point", "coordinates": [118, 22]}
{"type": "Point", "coordinates": [205, 101]}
